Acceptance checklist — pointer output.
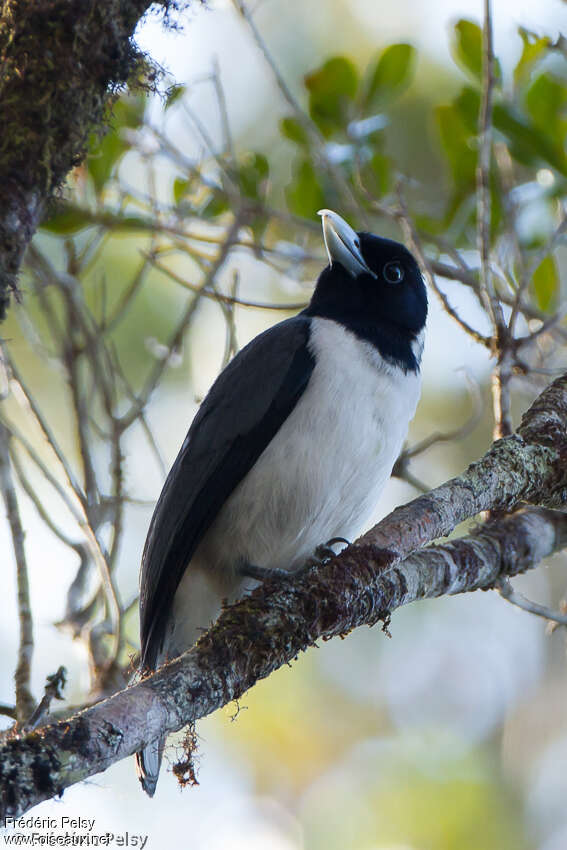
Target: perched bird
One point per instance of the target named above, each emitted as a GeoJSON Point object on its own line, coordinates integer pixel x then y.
{"type": "Point", "coordinates": [292, 446]}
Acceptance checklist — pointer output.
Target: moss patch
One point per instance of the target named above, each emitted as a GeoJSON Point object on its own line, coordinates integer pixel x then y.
{"type": "Point", "coordinates": [61, 62]}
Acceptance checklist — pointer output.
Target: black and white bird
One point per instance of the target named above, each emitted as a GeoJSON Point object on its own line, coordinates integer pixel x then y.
{"type": "Point", "coordinates": [291, 447]}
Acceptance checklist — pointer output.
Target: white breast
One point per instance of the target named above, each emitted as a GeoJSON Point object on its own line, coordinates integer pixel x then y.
{"type": "Point", "coordinates": [323, 472]}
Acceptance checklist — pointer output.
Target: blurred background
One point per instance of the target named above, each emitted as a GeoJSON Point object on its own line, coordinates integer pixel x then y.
{"type": "Point", "coordinates": [451, 734]}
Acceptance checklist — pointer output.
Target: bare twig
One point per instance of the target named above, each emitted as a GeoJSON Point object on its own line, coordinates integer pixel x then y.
{"type": "Point", "coordinates": [182, 325]}
{"type": "Point", "coordinates": [414, 242]}
{"type": "Point", "coordinates": [221, 297]}
{"type": "Point", "coordinates": [502, 402]}
{"type": "Point", "coordinates": [77, 511]}
{"type": "Point", "coordinates": [26, 399]}
{"type": "Point", "coordinates": [501, 337]}
{"type": "Point", "coordinates": [491, 302]}
{"type": "Point", "coordinates": [223, 111]}
{"type": "Point", "coordinates": [507, 592]}
{"type": "Point", "coordinates": [25, 702]}
{"type": "Point", "coordinates": [38, 503]}
{"type": "Point", "coordinates": [544, 328]}
{"type": "Point", "coordinates": [456, 433]}
{"type": "Point", "coordinates": [53, 690]}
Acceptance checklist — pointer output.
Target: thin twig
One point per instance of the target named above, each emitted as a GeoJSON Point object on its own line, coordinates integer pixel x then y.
{"type": "Point", "coordinates": [126, 299]}
{"type": "Point", "coordinates": [221, 297]}
{"type": "Point", "coordinates": [483, 174]}
{"type": "Point", "coordinates": [25, 702]}
{"type": "Point", "coordinates": [25, 395]}
{"type": "Point", "coordinates": [77, 511]}
{"type": "Point", "coordinates": [181, 327]}
{"type": "Point", "coordinates": [414, 242]}
{"type": "Point", "coordinates": [507, 592]}
{"type": "Point", "coordinates": [505, 172]}
{"type": "Point", "coordinates": [53, 690]}
{"type": "Point", "coordinates": [501, 338]}
{"type": "Point", "coordinates": [456, 433]}
{"type": "Point", "coordinates": [231, 341]}
{"type": "Point", "coordinates": [32, 494]}
{"type": "Point", "coordinates": [544, 328]}
{"type": "Point", "coordinates": [223, 111]}
{"type": "Point", "coordinates": [501, 397]}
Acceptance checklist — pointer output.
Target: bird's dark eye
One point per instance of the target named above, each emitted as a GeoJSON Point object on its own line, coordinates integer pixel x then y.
{"type": "Point", "coordinates": [393, 272]}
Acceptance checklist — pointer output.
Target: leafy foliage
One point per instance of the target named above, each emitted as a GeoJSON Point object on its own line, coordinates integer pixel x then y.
{"type": "Point", "coordinates": [352, 115]}
{"type": "Point", "coordinates": [546, 283]}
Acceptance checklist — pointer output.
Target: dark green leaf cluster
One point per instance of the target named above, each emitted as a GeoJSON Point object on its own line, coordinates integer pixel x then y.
{"type": "Point", "coordinates": [527, 119]}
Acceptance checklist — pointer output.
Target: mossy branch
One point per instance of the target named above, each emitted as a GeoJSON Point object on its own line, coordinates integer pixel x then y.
{"type": "Point", "coordinates": [62, 62]}
{"type": "Point", "coordinates": [361, 586]}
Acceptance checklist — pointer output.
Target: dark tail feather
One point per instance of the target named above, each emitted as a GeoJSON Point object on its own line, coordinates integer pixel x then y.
{"type": "Point", "coordinates": [148, 762]}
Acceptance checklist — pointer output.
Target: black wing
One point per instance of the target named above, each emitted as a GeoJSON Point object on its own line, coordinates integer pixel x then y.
{"type": "Point", "coordinates": [242, 412]}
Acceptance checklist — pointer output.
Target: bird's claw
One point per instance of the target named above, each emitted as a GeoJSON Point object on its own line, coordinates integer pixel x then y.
{"type": "Point", "coordinates": [324, 552]}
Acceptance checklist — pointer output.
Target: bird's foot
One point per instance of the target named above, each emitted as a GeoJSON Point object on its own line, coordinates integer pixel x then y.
{"type": "Point", "coordinates": [322, 554]}
{"type": "Point", "coordinates": [263, 573]}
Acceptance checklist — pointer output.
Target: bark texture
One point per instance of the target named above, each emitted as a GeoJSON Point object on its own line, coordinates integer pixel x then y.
{"type": "Point", "coordinates": [61, 61]}
{"type": "Point", "coordinates": [361, 586]}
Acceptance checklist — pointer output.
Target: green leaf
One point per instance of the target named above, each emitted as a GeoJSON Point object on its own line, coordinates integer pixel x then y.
{"type": "Point", "coordinates": [305, 195]}
{"type": "Point", "coordinates": [173, 94]}
{"type": "Point", "coordinates": [258, 227]}
{"type": "Point", "coordinates": [528, 144]}
{"type": "Point", "coordinates": [390, 76]}
{"type": "Point", "coordinates": [293, 130]}
{"type": "Point", "coordinates": [332, 87]}
{"type": "Point", "coordinates": [376, 175]}
{"type": "Point", "coordinates": [467, 103]}
{"type": "Point", "coordinates": [456, 138]}
{"type": "Point", "coordinates": [104, 155]}
{"type": "Point", "coordinates": [67, 219]}
{"type": "Point", "coordinates": [216, 205]}
{"type": "Point", "coordinates": [545, 282]}
{"type": "Point", "coordinates": [252, 175]}
{"type": "Point", "coordinates": [105, 152]}
{"type": "Point", "coordinates": [127, 222]}
{"type": "Point", "coordinates": [546, 100]}
{"type": "Point", "coordinates": [129, 111]}
{"type": "Point", "coordinates": [180, 186]}
{"type": "Point", "coordinates": [533, 50]}
{"type": "Point", "coordinates": [467, 49]}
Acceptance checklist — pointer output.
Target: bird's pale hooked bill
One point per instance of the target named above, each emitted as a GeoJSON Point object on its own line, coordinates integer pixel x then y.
{"type": "Point", "coordinates": [342, 244]}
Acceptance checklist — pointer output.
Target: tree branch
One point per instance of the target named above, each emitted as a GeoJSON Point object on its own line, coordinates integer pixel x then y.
{"type": "Point", "coordinates": [361, 586]}
{"type": "Point", "coordinates": [61, 64]}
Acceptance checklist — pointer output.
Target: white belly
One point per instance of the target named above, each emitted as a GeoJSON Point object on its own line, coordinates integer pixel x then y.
{"type": "Point", "coordinates": [324, 470]}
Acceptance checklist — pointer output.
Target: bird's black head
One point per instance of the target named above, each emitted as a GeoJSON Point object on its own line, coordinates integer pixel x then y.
{"type": "Point", "coordinates": [372, 286]}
